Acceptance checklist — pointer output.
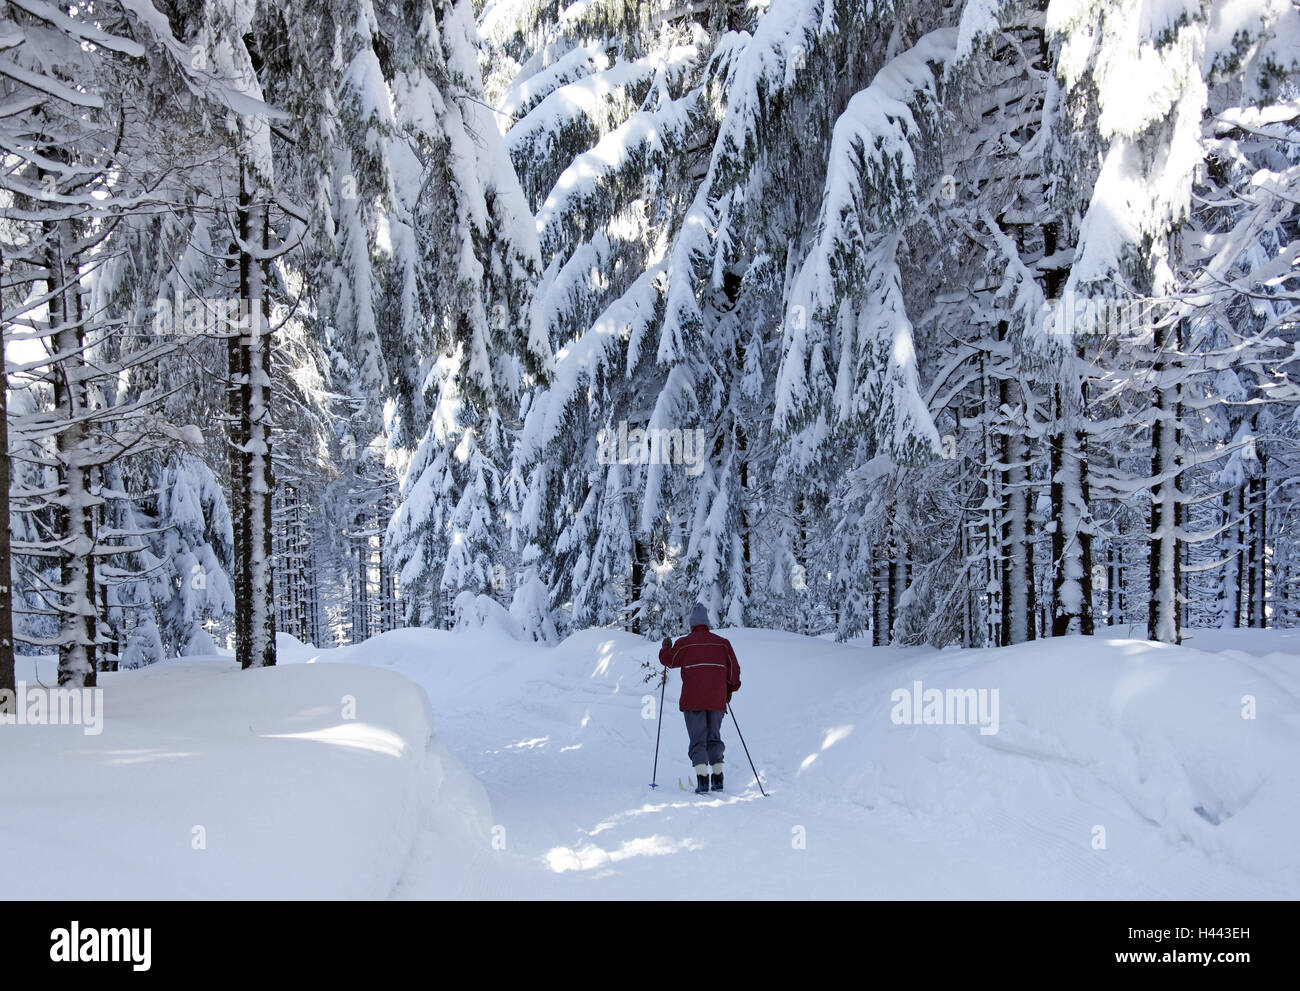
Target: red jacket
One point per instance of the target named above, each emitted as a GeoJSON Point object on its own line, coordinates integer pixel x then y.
{"type": "Point", "coordinates": [709, 669]}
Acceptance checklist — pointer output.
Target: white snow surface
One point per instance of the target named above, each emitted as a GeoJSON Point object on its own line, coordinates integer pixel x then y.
{"type": "Point", "coordinates": [293, 799]}
{"type": "Point", "coordinates": [1144, 740]}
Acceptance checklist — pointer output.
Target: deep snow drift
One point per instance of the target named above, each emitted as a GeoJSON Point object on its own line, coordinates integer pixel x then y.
{"type": "Point", "coordinates": [211, 782]}
{"type": "Point", "coordinates": [1118, 769]}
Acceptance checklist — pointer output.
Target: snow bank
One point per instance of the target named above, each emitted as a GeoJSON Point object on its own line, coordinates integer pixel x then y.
{"type": "Point", "coordinates": [300, 781]}
{"type": "Point", "coordinates": [478, 612]}
{"type": "Point", "coordinates": [1123, 752]}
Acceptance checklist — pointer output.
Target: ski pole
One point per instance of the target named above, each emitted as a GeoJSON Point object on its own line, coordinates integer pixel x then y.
{"type": "Point", "coordinates": [663, 683]}
{"type": "Point", "coordinates": [742, 743]}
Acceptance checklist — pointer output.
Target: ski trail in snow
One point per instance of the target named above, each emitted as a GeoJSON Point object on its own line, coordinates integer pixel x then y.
{"type": "Point", "coordinates": [859, 807]}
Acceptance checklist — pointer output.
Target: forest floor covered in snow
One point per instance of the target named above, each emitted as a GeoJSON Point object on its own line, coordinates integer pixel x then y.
{"type": "Point", "coordinates": [1119, 769]}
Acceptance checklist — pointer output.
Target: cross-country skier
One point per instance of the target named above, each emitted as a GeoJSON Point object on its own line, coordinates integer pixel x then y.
{"type": "Point", "coordinates": [710, 673]}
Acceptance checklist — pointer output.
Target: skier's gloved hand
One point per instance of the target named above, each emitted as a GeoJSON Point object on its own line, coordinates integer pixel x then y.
{"type": "Point", "coordinates": [668, 642]}
{"type": "Point", "coordinates": [728, 694]}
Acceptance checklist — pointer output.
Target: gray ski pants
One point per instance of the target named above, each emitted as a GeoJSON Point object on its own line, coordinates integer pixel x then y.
{"type": "Point", "coordinates": [705, 729]}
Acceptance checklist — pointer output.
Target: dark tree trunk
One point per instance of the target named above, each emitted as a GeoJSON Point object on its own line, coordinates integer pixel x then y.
{"type": "Point", "coordinates": [1259, 550]}
{"type": "Point", "coordinates": [1163, 614]}
{"type": "Point", "coordinates": [1230, 588]}
{"type": "Point", "coordinates": [252, 484]}
{"type": "Point", "coordinates": [638, 583]}
{"type": "Point", "coordinates": [73, 517]}
{"type": "Point", "coordinates": [6, 589]}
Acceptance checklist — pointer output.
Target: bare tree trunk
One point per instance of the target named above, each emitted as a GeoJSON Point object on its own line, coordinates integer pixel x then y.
{"type": "Point", "coordinates": [994, 631]}
{"type": "Point", "coordinates": [1017, 568]}
{"type": "Point", "coordinates": [237, 400]}
{"type": "Point", "coordinates": [251, 478]}
{"type": "Point", "coordinates": [1084, 537]}
{"type": "Point", "coordinates": [1071, 536]}
{"type": "Point", "coordinates": [891, 616]}
{"type": "Point", "coordinates": [1230, 587]}
{"type": "Point", "coordinates": [879, 604]}
{"type": "Point", "coordinates": [316, 626]}
{"type": "Point", "coordinates": [361, 585]}
{"type": "Point", "coordinates": [304, 590]}
{"type": "Point", "coordinates": [1259, 550]}
{"type": "Point", "coordinates": [638, 583]}
{"type": "Point", "coordinates": [73, 519]}
{"type": "Point", "coordinates": [742, 446]}
{"type": "Point", "coordinates": [1121, 585]}
{"type": "Point", "coordinates": [1112, 577]}
{"type": "Point", "coordinates": [1033, 628]}
{"type": "Point", "coordinates": [1246, 561]}
{"type": "Point", "coordinates": [1162, 610]}
{"type": "Point", "coordinates": [7, 676]}
{"type": "Point", "coordinates": [386, 590]}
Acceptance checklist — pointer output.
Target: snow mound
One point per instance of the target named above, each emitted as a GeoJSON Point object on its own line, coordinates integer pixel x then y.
{"type": "Point", "coordinates": [289, 648]}
{"type": "Point", "coordinates": [482, 612]}
{"type": "Point", "coordinates": [298, 781]}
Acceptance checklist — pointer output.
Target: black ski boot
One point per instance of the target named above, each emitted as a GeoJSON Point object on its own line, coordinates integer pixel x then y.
{"type": "Point", "coordinates": [716, 777]}
{"type": "Point", "coordinates": [701, 779]}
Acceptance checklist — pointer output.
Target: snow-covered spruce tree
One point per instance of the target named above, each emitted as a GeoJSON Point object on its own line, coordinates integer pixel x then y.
{"type": "Point", "coordinates": [350, 279]}
{"type": "Point", "coordinates": [175, 272]}
{"type": "Point", "coordinates": [1006, 389]}
{"type": "Point", "coordinates": [46, 144]}
{"type": "Point", "coordinates": [694, 155]}
{"type": "Point", "coordinates": [184, 584]}
{"type": "Point", "coordinates": [1093, 369]}
{"type": "Point", "coordinates": [1243, 236]}
{"type": "Point", "coordinates": [456, 418]}
{"type": "Point", "coordinates": [171, 265]}
{"type": "Point", "coordinates": [697, 175]}
{"type": "Point", "coordinates": [604, 108]}
{"type": "Point", "coordinates": [35, 621]}
{"type": "Point", "coordinates": [1139, 255]}
{"type": "Point", "coordinates": [1151, 144]}
{"type": "Point", "coordinates": [254, 222]}
{"type": "Point", "coordinates": [77, 169]}
{"type": "Point", "coordinates": [849, 370]}
{"type": "Point", "coordinates": [531, 603]}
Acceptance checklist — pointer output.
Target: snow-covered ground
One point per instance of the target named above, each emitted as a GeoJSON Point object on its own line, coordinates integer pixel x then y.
{"type": "Point", "coordinates": [1118, 769]}
{"type": "Point", "coordinates": [211, 782]}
